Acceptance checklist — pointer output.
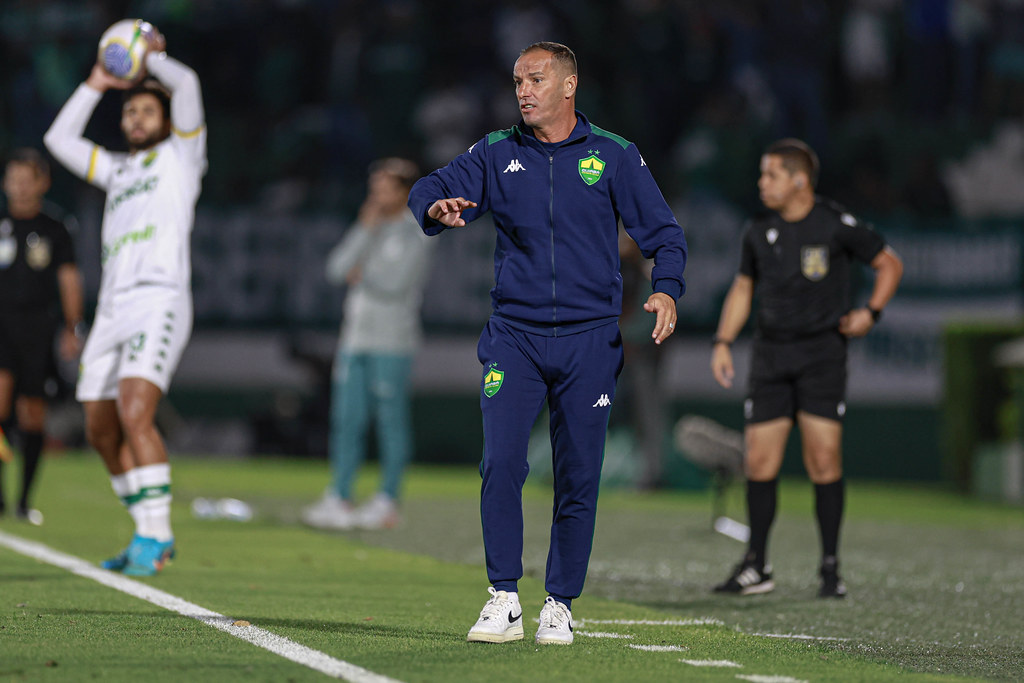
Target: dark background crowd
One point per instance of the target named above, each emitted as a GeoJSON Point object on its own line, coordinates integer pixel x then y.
{"type": "Point", "coordinates": [916, 108]}
{"type": "Point", "coordinates": [302, 94]}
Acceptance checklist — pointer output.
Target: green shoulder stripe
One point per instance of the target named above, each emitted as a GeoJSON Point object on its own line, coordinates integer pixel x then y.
{"type": "Point", "coordinates": [499, 135]}
{"type": "Point", "coordinates": [623, 142]}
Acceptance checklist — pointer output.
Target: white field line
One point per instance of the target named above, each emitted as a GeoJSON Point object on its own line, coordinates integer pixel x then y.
{"type": "Point", "coordinates": [721, 663]}
{"type": "Point", "coordinates": [797, 636]}
{"type": "Point", "coordinates": [660, 648]}
{"type": "Point", "coordinates": [701, 621]}
{"type": "Point", "coordinates": [300, 654]}
{"type": "Point", "coordinates": [603, 634]}
{"type": "Point", "coordinates": [758, 678]}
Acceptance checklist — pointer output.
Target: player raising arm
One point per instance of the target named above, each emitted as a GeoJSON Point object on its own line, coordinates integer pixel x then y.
{"type": "Point", "coordinates": [144, 313]}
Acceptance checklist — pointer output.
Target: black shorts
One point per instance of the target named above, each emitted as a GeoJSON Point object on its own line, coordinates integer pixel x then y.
{"type": "Point", "coordinates": [26, 350]}
{"type": "Point", "coordinates": [808, 374]}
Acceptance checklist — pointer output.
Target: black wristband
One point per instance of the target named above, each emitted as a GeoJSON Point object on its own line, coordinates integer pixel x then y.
{"type": "Point", "coordinates": [716, 340]}
{"type": "Point", "coordinates": [876, 314]}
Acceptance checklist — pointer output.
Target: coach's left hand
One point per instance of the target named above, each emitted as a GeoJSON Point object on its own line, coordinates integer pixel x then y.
{"type": "Point", "coordinates": [665, 307]}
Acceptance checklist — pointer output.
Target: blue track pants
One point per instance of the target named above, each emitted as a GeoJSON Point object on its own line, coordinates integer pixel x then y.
{"type": "Point", "coordinates": [576, 374]}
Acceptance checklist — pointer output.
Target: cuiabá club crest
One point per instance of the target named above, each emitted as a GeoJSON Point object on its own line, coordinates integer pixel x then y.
{"type": "Point", "coordinates": [591, 169]}
{"type": "Point", "coordinates": [493, 380]}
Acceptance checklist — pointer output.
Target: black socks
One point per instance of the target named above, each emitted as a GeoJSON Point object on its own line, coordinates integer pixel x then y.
{"type": "Point", "coordinates": [829, 500]}
{"type": "Point", "coordinates": [761, 500]}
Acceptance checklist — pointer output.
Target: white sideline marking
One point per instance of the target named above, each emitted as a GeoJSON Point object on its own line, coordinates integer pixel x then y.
{"type": "Point", "coordinates": [601, 634]}
{"type": "Point", "coordinates": [660, 648]}
{"type": "Point", "coordinates": [723, 663]}
{"type": "Point", "coordinates": [279, 645]}
{"type": "Point", "coordinates": [757, 678]}
{"type": "Point", "coordinates": [701, 621]}
{"type": "Point", "coordinates": [797, 636]}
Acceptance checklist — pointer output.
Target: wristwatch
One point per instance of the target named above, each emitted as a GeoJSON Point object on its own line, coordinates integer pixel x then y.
{"type": "Point", "coordinates": [716, 340]}
{"type": "Point", "coordinates": [876, 314]}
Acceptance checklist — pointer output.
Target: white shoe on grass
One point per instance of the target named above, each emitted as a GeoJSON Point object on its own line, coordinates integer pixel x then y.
{"type": "Point", "coordinates": [330, 512]}
{"type": "Point", "coordinates": [30, 515]}
{"type": "Point", "coordinates": [501, 619]}
{"type": "Point", "coordinates": [555, 623]}
{"type": "Point", "coordinates": [380, 513]}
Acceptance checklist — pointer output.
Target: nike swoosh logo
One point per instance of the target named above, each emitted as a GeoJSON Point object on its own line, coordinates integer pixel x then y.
{"type": "Point", "coordinates": [514, 618]}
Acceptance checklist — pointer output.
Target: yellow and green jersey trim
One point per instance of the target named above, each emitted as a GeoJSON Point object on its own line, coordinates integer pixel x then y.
{"type": "Point", "coordinates": [188, 133]}
{"type": "Point", "coordinates": [90, 172]}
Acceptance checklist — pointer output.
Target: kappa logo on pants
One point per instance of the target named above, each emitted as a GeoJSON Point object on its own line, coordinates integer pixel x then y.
{"type": "Point", "coordinates": [602, 402]}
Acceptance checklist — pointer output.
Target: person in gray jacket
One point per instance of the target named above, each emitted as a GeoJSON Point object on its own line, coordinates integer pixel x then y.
{"type": "Point", "coordinates": [384, 260]}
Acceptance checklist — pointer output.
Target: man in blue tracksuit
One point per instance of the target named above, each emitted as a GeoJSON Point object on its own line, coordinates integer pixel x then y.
{"type": "Point", "coordinates": [556, 187]}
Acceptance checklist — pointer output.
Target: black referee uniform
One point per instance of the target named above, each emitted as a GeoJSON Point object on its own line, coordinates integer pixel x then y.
{"type": "Point", "coordinates": [31, 252]}
{"type": "Point", "coordinates": [802, 274]}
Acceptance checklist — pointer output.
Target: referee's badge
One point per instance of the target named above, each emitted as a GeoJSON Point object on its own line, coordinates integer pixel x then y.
{"type": "Point", "coordinates": [37, 252]}
{"type": "Point", "coordinates": [8, 245]}
{"type": "Point", "coordinates": [814, 262]}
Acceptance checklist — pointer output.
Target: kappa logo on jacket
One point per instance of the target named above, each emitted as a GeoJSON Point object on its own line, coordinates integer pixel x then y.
{"type": "Point", "coordinates": [514, 166]}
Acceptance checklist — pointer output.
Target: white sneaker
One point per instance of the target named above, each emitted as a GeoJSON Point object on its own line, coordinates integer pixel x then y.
{"type": "Point", "coordinates": [330, 512]}
{"type": "Point", "coordinates": [30, 515]}
{"type": "Point", "coordinates": [555, 623]}
{"type": "Point", "coordinates": [501, 619]}
{"type": "Point", "coordinates": [380, 513]}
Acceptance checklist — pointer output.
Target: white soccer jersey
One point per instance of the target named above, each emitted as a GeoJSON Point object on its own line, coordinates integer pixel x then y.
{"type": "Point", "coordinates": [151, 195]}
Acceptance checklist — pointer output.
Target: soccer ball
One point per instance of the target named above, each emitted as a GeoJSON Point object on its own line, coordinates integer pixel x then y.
{"type": "Point", "coordinates": [123, 48]}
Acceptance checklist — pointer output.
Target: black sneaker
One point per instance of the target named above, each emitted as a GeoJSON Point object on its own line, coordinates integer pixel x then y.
{"type": "Point", "coordinates": [831, 585]}
{"type": "Point", "coordinates": [748, 579]}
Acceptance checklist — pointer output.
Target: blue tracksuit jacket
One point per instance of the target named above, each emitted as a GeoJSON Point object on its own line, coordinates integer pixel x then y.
{"type": "Point", "coordinates": [556, 261]}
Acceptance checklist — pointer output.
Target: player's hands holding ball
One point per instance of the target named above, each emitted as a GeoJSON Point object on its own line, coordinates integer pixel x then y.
{"type": "Point", "coordinates": [121, 59]}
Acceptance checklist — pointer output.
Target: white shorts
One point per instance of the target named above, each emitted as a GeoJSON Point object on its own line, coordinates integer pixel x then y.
{"type": "Point", "coordinates": [138, 333]}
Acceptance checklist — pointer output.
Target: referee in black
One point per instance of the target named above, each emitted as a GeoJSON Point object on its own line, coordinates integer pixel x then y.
{"type": "Point", "coordinates": [40, 285]}
{"type": "Point", "coordinates": [799, 258]}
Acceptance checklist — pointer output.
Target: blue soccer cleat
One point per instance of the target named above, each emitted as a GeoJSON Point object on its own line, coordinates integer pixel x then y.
{"type": "Point", "coordinates": [147, 556]}
{"type": "Point", "coordinates": [119, 561]}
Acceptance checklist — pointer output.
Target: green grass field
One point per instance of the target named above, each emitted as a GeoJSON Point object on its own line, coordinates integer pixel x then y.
{"type": "Point", "coordinates": [936, 587]}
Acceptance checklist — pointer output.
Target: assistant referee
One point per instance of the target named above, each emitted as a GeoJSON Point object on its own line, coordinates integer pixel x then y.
{"type": "Point", "coordinates": [39, 285]}
{"type": "Point", "coordinates": [799, 258]}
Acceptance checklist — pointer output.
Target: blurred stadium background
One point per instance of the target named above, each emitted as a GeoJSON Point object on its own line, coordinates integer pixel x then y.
{"type": "Point", "coordinates": [915, 107]}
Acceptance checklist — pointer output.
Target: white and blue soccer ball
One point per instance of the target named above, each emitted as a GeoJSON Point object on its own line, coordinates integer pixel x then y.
{"type": "Point", "coordinates": [123, 48]}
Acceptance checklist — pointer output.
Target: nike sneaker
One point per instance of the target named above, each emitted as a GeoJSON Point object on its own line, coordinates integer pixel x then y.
{"type": "Point", "coordinates": [501, 619]}
{"type": "Point", "coordinates": [555, 623]}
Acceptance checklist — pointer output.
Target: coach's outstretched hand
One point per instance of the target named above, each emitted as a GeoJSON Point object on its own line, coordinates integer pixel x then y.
{"type": "Point", "coordinates": [449, 211]}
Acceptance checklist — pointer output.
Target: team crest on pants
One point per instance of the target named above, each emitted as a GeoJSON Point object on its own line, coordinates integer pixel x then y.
{"type": "Point", "coordinates": [814, 262]}
{"type": "Point", "coordinates": [493, 380]}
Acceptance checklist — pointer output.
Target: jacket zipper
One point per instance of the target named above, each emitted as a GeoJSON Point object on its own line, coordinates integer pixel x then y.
{"type": "Point", "coordinates": [551, 222]}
